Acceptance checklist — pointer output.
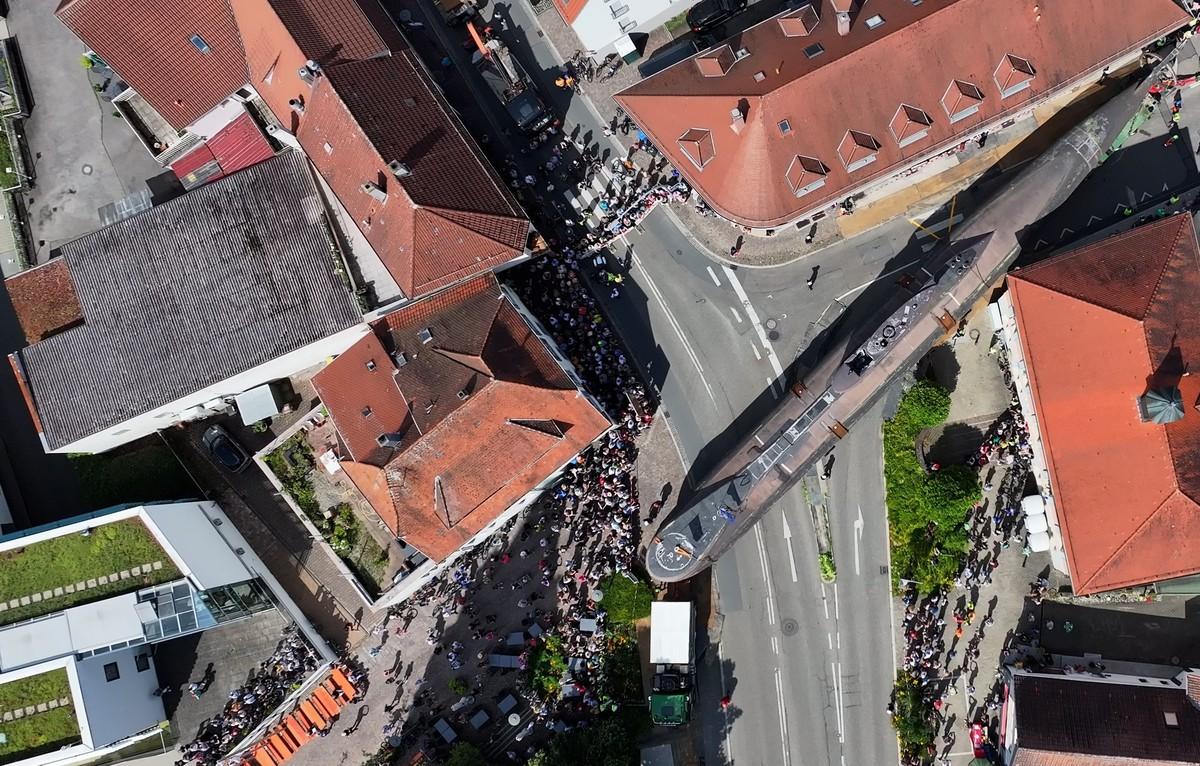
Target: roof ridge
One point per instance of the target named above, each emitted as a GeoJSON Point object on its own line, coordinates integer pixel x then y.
{"type": "Point", "coordinates": [1185, 219]}
{"type": "Point", "coordinates": [1121, 548]}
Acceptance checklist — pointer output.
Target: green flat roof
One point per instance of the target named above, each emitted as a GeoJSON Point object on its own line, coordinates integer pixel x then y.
{"type": "Point", "coordinates": [42, 732]}
{"type": "Point", "coordinates": [72, 558]}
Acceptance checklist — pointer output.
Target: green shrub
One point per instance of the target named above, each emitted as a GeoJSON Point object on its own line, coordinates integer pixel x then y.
{"type": "Point", "coordinates": [458, 686]}
{"type": "Point", "coordinates": [547, 666]}
{"type": "Point", "coordinates": [926, 510]}
{"type": "Point", "coordinates": [828, 570]}
{"type": "Point", "coordinates": [911, 718]}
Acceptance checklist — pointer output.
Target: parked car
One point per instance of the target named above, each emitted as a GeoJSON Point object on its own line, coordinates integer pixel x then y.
{"type": "Point", "coordinates": [707, 15]}
{"type": "Point", "coordinates": [225, 450]}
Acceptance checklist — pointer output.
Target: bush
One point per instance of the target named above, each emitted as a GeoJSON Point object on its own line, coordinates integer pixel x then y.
{"type": "Point", "coordinates": [828, 570]}
{"type": "Point", "coordinates": [926, 511]}
{"type": "Point", "coordinates": [465, 754]}
{"type": "Point", "coordinates": [622, 673]}
{"type": "Point", "coordinates": [458, 686]}
{"type": "Point", "coordinates": [911, 718]}
{"type": "Point", "coordinates": [625, 600]}
{"type": "Point", "coordinates": [547, 666]}
{"type": "Point", "coordinates": [610, 741]}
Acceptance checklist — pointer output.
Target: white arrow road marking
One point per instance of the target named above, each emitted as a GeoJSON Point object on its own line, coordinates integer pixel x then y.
{"type": "Point", "coordinates": [1092, 219]}
{"type": "Point", "coordinates": [858, 531]}
{"type": "Point", "coordinates": [787, 537]}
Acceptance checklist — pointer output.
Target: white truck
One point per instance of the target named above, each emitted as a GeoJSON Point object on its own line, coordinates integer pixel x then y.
{"type": "Point", "coordinates": [673, 658]}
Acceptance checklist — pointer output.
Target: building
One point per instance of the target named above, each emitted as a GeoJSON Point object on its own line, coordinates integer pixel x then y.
{"type": "Point", "coordinates": [417, 201]}
{"type": "Point", "coordinates": [827, 101]}
{"type": "Point", "coordinates": [1101, 342]}
{"type": "Point", "coordinates": [1082, 716]}
{"type": "Point", "coordinates": [453, 415]}
{"type": "Point", "coordinates": [605, 26]}
{"type": "Point", "coordinates": [165, 316]}
{"type": "Point", "coordinates": [79, 649]}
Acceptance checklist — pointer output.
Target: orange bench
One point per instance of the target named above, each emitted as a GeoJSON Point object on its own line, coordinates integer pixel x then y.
{"type": "Point", "coordinates": [325, 701]}
{"type": "Point", "coordinates": [329, 686]}
{"type": "Point", "coordinates": [343, 683]}
{"type": "Point", "coordinates": [297, 729]}
{"type": "Point", "coordinates": [278, 747]}
{"type": "Point", "coordinates": [263, 757]}
{"type": "Point", "coordinates": [314, 716]}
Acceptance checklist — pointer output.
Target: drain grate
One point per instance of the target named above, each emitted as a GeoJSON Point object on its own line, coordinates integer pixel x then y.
{"type": "Point", "coordinates": [789, 626]}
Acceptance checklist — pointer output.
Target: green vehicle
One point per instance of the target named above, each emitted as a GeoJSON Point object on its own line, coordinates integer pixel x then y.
{"type": "Point", "coordinates": [673, 657]}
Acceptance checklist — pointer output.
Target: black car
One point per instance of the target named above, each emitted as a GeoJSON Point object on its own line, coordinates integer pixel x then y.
{"type": "Point", "coordinates": [225, 450]}
{"type": "Point", "coordinates": [707, 15]}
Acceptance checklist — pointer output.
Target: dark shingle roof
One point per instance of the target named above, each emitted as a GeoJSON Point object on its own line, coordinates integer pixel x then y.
{"type": "Point", "coordinates": [1093, 718]}
{"type": "Point", "coordinates": [184, 295]}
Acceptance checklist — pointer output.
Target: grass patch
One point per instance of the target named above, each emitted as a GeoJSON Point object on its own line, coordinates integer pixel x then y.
{"type": "Point", "coordinates": [73, 558]}
{"type": "Point", "coordinates": [41, 732]}
{"type": "Point", "coordinates": [7, 180]}
{"type": "Point", "coordinates": [625, 600]}
{"type": "Point", "coordinates": [677, 25]}
{"type": "Point", "coordinates": [142, 472]}
{"type": "Point", "coordinates": [926, 510]}
{"type": "Point", "coordinates": [293, 464]}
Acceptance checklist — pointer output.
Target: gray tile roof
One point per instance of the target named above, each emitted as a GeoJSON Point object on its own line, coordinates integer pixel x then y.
{"type": "Point", "coordinates": [213, 283]}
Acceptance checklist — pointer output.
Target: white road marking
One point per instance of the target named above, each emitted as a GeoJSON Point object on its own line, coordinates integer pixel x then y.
{"type": "Point", "coordinates": [787, 538]}
{"type": "Point", "coordinates": [837, 699]}
{"type": "Point", "coordinates": [713, 274]}
{"type": "Point", "coordinates": [858, 531]}
{"type": "Point", "coordinates": [771, 385]}
{"type": "Point", "coordinates": [783, 727]}
{"type": "Point", "coordinates": [926, 232]}
{"type": "Point", "coordinates": [837, 610]}
{"type": "Point", "coordinates": [775, 644]}
{"type": "Point", "coordinates": [830, 637]}
{"type": "Point", "coordinates": [762, 554]}
{"type": "Point", "coordinates": [757, 355]}
{"type": "Point", "coordinates": [736, 316]}
{"type": "Point", "coordinates": [839, 639]}
{"type": "Point", "coordinates": [675, 324]}
{"type": "Point", "coordinates": [825, 604]}
{"type": "Point", "coordinates": [753, 315]}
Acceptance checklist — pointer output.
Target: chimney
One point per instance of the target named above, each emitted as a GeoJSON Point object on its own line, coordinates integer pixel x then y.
{"type": "Point", "coordinates": [296, 105]}
{"type": "Point", "coordinates": [843, 10]}
{"type": "Point", "coordinates": [737, 120]}
{"type": "Point", "coordinates": [389, 441]}
{"type": "Point", "coordinates": [399, 169]}
{"type": "Point", "coordinates": [373, 189]}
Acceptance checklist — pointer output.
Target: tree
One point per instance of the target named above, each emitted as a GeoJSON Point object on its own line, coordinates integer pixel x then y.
{"type": "Point", "coordinates": [465, 754]}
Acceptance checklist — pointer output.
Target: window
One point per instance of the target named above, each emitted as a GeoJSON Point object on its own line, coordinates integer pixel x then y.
{"type": "Point", "coordinates": [964, 113]}
{"type": "Point", "coordinates": [201, 46]}
{"type": "Point", "coordinates": [814, 50]}
{"type": "Point", "coordinates": [142, 661]}
{"type": "Point", "coordinates": [741, 54]}
{"type": "Point", "coordinates": [270, 75]}
{"type": "Point", "coordinates": [875, 22]}
{"type": "Point", "coordinates": [111, 672]}
{"type": "Point", "coordinates": [785, 127]}
{"type": "Point", "coordinates": [860, 163]}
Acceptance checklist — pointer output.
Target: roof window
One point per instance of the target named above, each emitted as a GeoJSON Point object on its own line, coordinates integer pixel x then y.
{"type": "Point", "coordinates": [910, 125]}
{"type": "Point", "coordinates": [717, 62]}
{"type": "Point", "coordinates": [1171, 720]}
{"type": "Point", "coordinates": [875, 22]}
{"type": "Point", "coordinates": [201, 46]}
{"type": "Point", "coordinates": [805, 175]}
{"type": "Point", "coordinates": [814, 50]}
{"type": "Point", "coordinates": [1013, 75]}
{"type": "Point", "coordinates": [962, 99]}
{"type": "Point", "coordinates": [366, 412]}
{"type": "Point", "coordinates": [697, 145]}
{"type": "Point", "coordinates": [857, 150]}
{"type": "Point", "coordinates": [785, 127]}
{"type": "Point", "coordinates": [742, 53]}
{"type": "Point", "coordinates": [425, 335]}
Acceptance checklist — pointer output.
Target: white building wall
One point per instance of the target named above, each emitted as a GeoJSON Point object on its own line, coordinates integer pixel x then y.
{"type": "Point", "coordinates": [598, 28]}
{"type": "Point", "coordinates": [116, 710]}
{"type": "Point", "coordinates": [172, 412]}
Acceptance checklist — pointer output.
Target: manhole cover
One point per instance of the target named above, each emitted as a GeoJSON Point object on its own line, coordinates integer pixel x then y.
{"type": "Point", "coordinates": [771, 323]}
{"type": "Point", "coordinates": [773, 335]}
{"type": "Point", "coordinates": [789, 626]}
{"type": "Point", "coordinates": [87, 170]}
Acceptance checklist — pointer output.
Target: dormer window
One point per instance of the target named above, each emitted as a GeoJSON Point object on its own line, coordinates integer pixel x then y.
{"type": "Point", "coordinates": [805, 175]}
{"type": "Point", "coordinates": [857, 150]}
{"type": "Point", "coordinates": [716, 63]}
{"type": "Point", "coordinates": [697, 145]}
{"type": "Point", "coordinates": [962, 100]}
{"type": "Point", "coordinates": [910, 124]}
{"type": "Point", "coordinates": [1013, 75]}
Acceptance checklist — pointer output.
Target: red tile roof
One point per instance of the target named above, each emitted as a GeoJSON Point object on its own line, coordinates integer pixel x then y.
{"type": "Point", "coordinates": [150, 46]}
{"type": "Point", "coordinates": [1064, 721]}
{"type": "Point", "coordinates": [372, 105]}
{"type": "Point", "coordinates": [858, 82]}
{"type": "Point", "coordinates": [238, 145]}
{"type": "Point", "coordinates": [44, 300]}
{"type": "Point", "coordinates": [1099, 326]}
{"type": "Point", "coordinates": [484, 410]}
